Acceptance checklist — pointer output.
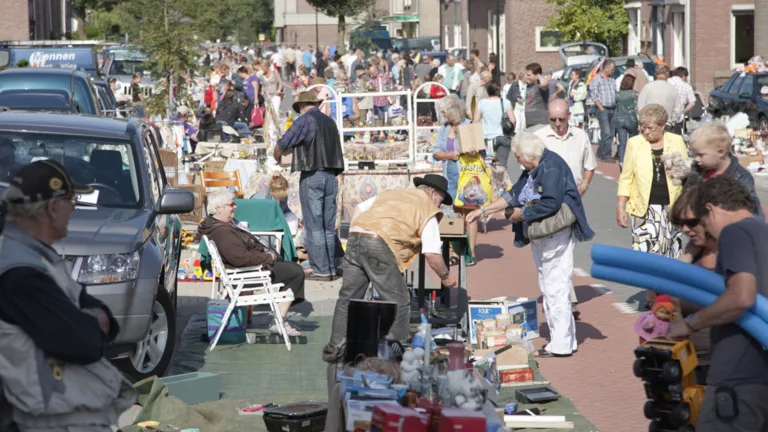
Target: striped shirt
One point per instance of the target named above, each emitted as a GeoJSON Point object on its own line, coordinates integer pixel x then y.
{"type": "Point", "coordinates": [604, 91]}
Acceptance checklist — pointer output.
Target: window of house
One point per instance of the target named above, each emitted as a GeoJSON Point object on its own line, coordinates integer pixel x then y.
{"type": "Point", "coordinates": [398, 6]}
{"type": "Point", "coordinates": [548, 40]}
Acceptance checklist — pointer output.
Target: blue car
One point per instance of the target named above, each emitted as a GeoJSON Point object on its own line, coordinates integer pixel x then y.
{"type": "Point", "coordinates": [77, 85]}
{"type": "Point", "coordinates": [743, 92]}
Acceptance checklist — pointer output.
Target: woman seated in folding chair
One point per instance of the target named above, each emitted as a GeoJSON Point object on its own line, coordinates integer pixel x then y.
{"type": "Point", "coordinates": [239, 248]}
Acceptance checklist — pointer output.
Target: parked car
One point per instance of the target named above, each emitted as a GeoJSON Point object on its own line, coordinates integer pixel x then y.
{"type": "Point", "coordinates": [743, 92]}
{"type": "Point", "coordinates": [429, 43]}
{"type": "Point", "coordinates": [621, 66]}
{"type": "Point", "coordinates": [107, 99]}
{"type": "Point", "coordinates": [123, 63]}
{"type": "Point", "coordinates": [76, 84]}
{"type": "Point", "coordinates": [123, 241]}
{"type": "Point", "coordinates": [36, 100]}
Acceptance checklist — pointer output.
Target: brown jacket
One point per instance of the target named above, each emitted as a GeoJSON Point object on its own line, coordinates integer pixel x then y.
{"type": "Point", "coordinates": [238, 248]}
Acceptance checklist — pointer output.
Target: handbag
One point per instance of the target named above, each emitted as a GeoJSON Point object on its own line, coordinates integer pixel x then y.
{"type": "Point", "coordinates": [257, 117]}
{"type": "Point", "coordinates": [507, 127]}
{"type": "Point", "coordinates": [553, 224]}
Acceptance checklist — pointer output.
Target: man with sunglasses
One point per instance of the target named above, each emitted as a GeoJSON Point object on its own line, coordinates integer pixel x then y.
{"type": "Point", "coordinates": [738, 371]}
{"type": "Point", "coordinates": [53, 335]}
{"type": "Point", "coordinates": [573, 145]}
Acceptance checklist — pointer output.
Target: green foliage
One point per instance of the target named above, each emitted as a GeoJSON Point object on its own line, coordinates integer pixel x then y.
{"type": "Point", "coordinates": [165, 35]}
{"type": "Point", "coordinates": [604, 21]}
{"type": "Point", "coordinates": [103, 25]}
{"type": "Point", "coordinates": [223, 19]}
{"type": "Point", "coordinates": [342, 9]}
{"type": "Point", "coordinates": [22, 63]}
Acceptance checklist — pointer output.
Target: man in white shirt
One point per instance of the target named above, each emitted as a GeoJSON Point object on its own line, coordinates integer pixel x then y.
{"type": "Point", "coordinates": [573, 145]}
{"type": "Point", "coordinates": [686, 95]}
{"type": "Point", "coordinates": [387, 234]}
{"type": "Point", "coordinates": [663, 93]}
{"type": "Point", "coordinates": [452, 73]}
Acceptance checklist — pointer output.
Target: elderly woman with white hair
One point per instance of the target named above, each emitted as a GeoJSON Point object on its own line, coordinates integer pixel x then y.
{"type": "Point", "coordinates": [446, 149]}
{"type": "Point", "coordinates": [547, 211]}
{"type": "Point", "coordinates": [239, 248]}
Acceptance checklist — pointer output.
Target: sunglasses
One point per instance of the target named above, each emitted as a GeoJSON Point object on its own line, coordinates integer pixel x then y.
{"type": "Point", "coordinates": [556, 119]}
{"type": "Point", "coordinates": [690, 223]}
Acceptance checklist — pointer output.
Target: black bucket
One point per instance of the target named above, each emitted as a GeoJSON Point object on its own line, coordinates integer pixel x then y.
{"type": "Point", "coordinates": [305, 416]}
{"type": "Point", "coordinates": [367, 323]}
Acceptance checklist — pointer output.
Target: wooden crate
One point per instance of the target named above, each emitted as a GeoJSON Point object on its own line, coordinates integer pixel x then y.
{"type": "Point", "coordinates": [170, 162]}
{"type": "Point", "coordinates": [199, 212]}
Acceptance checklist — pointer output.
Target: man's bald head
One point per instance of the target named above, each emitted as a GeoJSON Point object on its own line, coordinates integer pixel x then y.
{"type": "Point", "coordinates": [558, 108]}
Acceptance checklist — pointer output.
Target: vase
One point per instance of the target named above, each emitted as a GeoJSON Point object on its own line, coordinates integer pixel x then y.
{"type": "Point", "coordinates": [456, 359]}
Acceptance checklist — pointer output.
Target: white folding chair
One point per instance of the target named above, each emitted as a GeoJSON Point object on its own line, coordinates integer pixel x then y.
{"type": "Point", "coordinates": [248, 287]}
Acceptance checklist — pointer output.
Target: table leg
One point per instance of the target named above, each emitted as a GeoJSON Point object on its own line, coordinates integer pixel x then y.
{"type": "Point", "coordinates": [422, 277]}
{"type": "Point", "coordinates": [445, 293]}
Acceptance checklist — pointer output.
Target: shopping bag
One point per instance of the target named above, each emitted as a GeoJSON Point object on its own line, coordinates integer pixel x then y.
{"type": "Point", "coordinates": [234, 330]}
{"type": "Point", "coordinates": [474, 188]}
{"type": "Point", "coordinates": [257, 117]}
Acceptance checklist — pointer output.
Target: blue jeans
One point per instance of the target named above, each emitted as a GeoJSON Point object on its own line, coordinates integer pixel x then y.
{"type": "Point", "coordinates": [317, 194]}
{"type": "Point", "coordinates": [607, 120]}
{"type": "Point", "coordinates": [626, 130]}
{"type": "Point", "coordinates": [379, 111]}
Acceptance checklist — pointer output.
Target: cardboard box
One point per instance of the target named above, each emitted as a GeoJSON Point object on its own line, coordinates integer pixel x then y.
{"type": "Point", "coordinates": [742, 133]}
{"type": "Point", "coordinates": [362, 410]}
{"type": "Point", "coordinates": [451, 226]}
{"type": "Point", "coordinates": [516, 357]}
{"type": "Point", "coordinates": [470, 138]}
{"type": "Point", "coordinates": [454, 419]}
{"type": "Point", "coordinates": [521, 310]}
{"type": "Point", "coordinates": [395, 418]}
{"type": "Point", "coordinates": [515, 375]}
{"type": "Point", "coordinates": [746, 161]}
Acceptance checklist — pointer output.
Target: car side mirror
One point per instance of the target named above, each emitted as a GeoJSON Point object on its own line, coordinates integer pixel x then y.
{"type": "Point", "coordinates": [176, 201]}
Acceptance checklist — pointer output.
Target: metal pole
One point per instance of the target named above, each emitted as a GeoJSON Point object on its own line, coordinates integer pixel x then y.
{"type": "Point", "coordinates": [63, 19]}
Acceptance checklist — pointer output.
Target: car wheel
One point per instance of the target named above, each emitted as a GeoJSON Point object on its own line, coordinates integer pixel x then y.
{"type": "Point", "coordinates": [152, 356]}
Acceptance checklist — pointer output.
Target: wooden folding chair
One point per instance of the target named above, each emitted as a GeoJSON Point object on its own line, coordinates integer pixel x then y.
{"type": "Point", "coordinates": [217, 179]}
{"type": "Point", "coordinates": [248, 286]}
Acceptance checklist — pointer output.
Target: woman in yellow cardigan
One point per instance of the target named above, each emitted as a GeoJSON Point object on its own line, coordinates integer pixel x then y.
{"type": "Point", "coordinates": [646, 193]}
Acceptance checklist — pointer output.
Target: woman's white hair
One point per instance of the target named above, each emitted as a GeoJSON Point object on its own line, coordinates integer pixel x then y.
{"type": "Point", "coordinates": [453, 108]}
{"type": "Point", "coordinates": [529, 145]}
{"type": "Point", "coordinates": [23, 211]}
{"type": "Point", "coordinates": [218, 198]}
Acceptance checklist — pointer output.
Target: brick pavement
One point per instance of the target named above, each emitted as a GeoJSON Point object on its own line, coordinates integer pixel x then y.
{"type": "Point", "coordinates": [598, 379]}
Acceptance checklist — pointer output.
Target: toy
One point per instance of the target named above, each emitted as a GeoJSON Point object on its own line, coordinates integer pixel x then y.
{"type": "Point", "coordinates": [655, 322]}
{"type": "Point", "coordinates": [667, 369]}
{"type": "Point", "coordinates": [198, 271]}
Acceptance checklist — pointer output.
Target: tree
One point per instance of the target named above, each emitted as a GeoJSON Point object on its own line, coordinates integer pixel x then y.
{"type": "Point", "coordinates": [166, 37]}
{"type": "Point", "coordinates": [342, 9]}
{"type": "Point", "coordinates": [603, 21]}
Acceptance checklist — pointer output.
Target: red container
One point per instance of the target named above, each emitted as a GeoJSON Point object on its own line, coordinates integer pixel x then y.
{"type": "Point", "coordinates": [395, 418]}
{"type": "Point", "coordinates": [455, 419]}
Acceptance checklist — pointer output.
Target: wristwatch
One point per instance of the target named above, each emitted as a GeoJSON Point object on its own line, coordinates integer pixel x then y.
{"type": "Point", "coordinates": [445, 275]}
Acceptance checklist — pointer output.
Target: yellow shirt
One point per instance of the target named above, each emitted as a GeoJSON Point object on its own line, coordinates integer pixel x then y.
{"type": "Point", "coordinates": [637, 174]}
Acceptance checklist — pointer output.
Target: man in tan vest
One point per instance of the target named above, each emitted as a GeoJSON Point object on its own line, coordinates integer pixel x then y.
{"type": "Point", "coordinates": [387, 234]}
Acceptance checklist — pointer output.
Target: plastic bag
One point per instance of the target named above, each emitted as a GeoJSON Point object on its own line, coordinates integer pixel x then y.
{"type": "Point", "coordinates": [474, 188]}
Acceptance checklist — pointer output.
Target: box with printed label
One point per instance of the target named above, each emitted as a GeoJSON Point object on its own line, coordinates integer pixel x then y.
{"type": "Point", "coordinates": [524, 311]}
{"type": "Point", "coordinates": [515, 375]}
{"type": "Point", "coordinates": [481, 314]}
{"type": "Point", "coordinates": [362, 410]}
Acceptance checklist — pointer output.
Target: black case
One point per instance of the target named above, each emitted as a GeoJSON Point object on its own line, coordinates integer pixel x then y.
{"type": "Point", "coordinates": [304, 416]}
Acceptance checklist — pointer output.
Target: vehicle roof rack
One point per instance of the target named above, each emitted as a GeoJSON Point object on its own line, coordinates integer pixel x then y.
{"type": "Point", "coordinates": [51, 43]}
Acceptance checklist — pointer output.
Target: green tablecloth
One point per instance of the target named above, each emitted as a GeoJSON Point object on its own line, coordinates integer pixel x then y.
{"type": "Point", "coordinates": [261, 215]}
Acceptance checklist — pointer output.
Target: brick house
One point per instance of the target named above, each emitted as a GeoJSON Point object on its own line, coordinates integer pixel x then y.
{"type": "Point", "coordinates": [720, 34]}
{"type": "Point", "coordinates": [520, 38]}
{"type": "Point", "coordinates": [297, 23]}
{"type": "Point", "coordinates": [35, 19]}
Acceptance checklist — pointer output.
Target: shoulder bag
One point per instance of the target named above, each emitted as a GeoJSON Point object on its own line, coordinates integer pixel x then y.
{"type": "Point", "coordinates": [506, 126]}
{"type": "Point", "coordinates": [553, 224]}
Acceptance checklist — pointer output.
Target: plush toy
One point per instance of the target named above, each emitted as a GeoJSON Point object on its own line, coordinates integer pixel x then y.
{"type": "Point", "coordinates": [655, 323]}
{"type": "Point", "coordinates": [465, 390]}
{"type": "Point", "coordinates": [676, 167]}
{"type": "Point", "coordinates": [411, 366]}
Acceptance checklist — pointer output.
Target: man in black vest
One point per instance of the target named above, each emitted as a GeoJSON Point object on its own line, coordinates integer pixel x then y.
{"type": "Point", "coordinates": [316, 146]}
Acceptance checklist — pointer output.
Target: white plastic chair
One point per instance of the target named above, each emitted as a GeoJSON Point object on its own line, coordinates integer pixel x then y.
{"type": "Point", "coordinates": [248, 287]}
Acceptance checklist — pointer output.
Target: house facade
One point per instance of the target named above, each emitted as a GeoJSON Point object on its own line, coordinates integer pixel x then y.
{"type": "Point", "coordinates": [35, 19]}
{"type": "Point", "coordinates": [718, 34]}
{"type": "Point", "coordinates": [297, 23]}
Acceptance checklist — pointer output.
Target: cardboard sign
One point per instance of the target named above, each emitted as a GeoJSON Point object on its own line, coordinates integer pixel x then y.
{"type": "Point", "coordinates": [470, 138]}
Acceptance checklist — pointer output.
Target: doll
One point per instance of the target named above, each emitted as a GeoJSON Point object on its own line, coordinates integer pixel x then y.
{"type": "Point", "coordinates": [655, 323]}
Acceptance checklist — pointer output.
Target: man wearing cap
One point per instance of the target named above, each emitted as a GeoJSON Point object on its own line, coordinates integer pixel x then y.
{"type": "Point", "coordinates": [53, 335]}
{"type": "Point", "coordinates": [316, 146]}
{"type": "Point", "coordinates": [387, 233]}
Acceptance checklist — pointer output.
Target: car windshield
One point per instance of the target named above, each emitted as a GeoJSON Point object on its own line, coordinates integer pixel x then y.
{"type": "Point", "coordinates": [128, 67]}
{"type": "Point", "coordinates": [762, 86]}
{"type": "Point", "coordinates": [108, 165]}
{"type": "Point", "coordinates": [650, 69]}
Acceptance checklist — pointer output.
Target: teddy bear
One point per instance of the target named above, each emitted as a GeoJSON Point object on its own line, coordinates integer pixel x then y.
{"type": "Point", "coordinates": [655, 322]}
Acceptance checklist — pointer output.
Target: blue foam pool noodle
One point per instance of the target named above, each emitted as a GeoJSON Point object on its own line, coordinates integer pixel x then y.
{"type": "Point", "coordinates": [750, 322]}
{"type": "Point", "coordinates": [670, 269]}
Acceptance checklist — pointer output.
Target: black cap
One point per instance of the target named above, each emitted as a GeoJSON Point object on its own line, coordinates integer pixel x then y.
{"type": "Point", "coordinates": [44, 180]}
{"type": "Point", "coordinates": [435, 181]}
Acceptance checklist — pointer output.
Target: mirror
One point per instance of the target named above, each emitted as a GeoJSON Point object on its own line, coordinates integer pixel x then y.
{"type": "Point", "coordinates": [176, 201]}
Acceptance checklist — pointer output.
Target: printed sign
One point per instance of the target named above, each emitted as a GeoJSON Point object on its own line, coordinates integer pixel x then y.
{"type": "Point", "coordinates": [40, 59]}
